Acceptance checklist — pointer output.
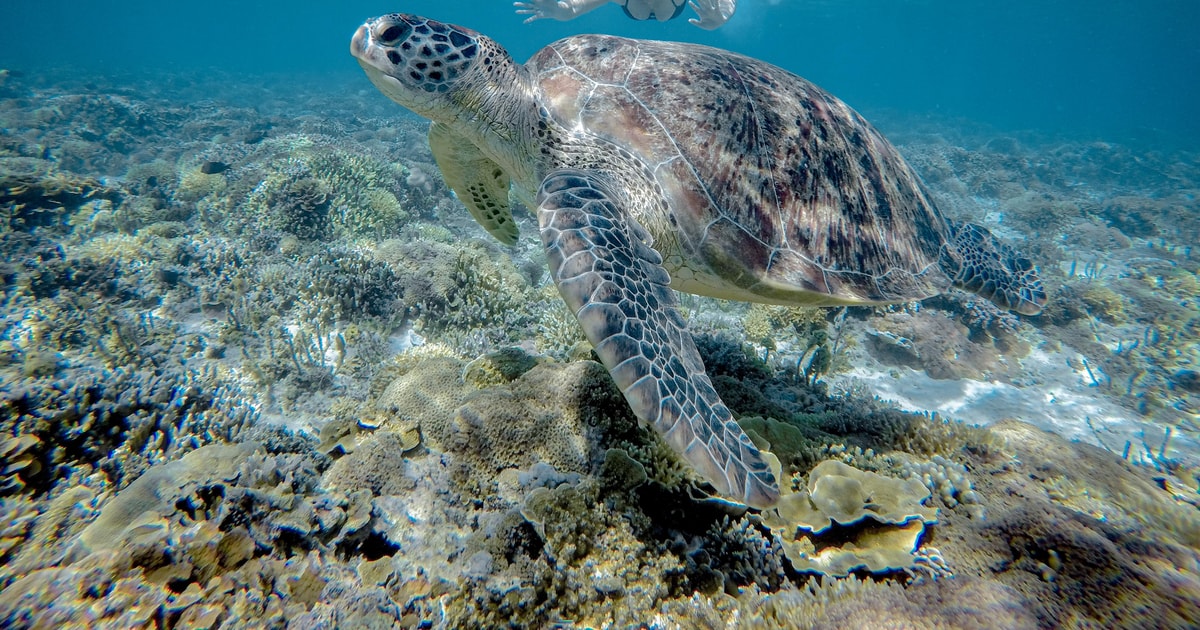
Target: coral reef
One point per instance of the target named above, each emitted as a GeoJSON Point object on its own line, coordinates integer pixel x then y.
{"type": "Point", "coordinates": [548, 413]}
{"type": "Point", "coordinates": [348, 285]}
{"type": "Point", "coordinates": [156, 491]}
{"type": "Point", "coordinates": [1088, 523]}
{"type": "Point", "coordinates": [305, 186]}
{"type": "Point", "coordinates": [259, 369]}
{"type": "Point", "coordinates": [176, 548]}
{"type": "Point", "coordinates": [1042, 211]}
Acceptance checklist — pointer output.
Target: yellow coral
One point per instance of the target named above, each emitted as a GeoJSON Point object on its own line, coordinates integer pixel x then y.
{"type": "Point", "coordinates": [764, 321]}
{"type": "Point", "coordinates": [1104, 303]}
{"type": "Point", "coordinates": [758, 324]}
{"type": "Point", "coordinates": [195, 185]}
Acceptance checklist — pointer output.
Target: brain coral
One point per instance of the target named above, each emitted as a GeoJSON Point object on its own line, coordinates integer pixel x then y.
{"type": "Point", "coordinates": [552, 413]}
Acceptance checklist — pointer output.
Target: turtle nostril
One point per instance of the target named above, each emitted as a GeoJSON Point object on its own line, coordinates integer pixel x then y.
{"type": "Point", "coordinates": [394, 33]}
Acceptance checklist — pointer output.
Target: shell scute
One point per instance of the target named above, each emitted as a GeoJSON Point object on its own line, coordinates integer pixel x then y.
{"type": "Point", "coordinates": [776, 186]}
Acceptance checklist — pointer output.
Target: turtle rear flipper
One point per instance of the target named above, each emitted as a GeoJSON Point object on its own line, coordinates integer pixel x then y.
{"type": "Point", "coordinates": [614, 283]}
{"type": "Point", "coordinates": [479, 182]}
{"type": "Point", "coordinates": [993, 270]}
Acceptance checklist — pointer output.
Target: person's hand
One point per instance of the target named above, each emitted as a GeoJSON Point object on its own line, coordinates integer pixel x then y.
{"type": "Point", "coordinates": [713, 13]}
{"type": "Point", "coordinates": [542, 9]}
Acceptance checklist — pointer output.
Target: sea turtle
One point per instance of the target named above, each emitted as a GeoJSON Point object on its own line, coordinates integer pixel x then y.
{"type": "Point", "coordinates": [656, 166]}
{"type": "Point", "coordinates": [713, 13]}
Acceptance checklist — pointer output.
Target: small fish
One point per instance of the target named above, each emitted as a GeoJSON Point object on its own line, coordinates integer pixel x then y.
{"type": "Point", "coordinates": [212, 167]}
{"type": "Point", "coordinates": [806, 361]}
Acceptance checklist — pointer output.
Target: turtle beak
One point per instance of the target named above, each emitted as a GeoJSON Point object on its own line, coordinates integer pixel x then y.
{"type": "Point", "coordinates": [358, 45]}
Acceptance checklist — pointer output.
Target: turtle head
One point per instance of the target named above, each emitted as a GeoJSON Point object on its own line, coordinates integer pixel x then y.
{"type": "Point", "coordinates": [418, 62]}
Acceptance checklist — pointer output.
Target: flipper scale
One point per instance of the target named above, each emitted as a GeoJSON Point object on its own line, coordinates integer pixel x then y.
{"type": "Point", "coordinates": [615, 284]}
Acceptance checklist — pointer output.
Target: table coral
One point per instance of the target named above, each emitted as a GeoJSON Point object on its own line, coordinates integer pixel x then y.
{"type": "Point", "coordinates": [843, 495]}
{"type": "Point", "coordinates": [158, 489]}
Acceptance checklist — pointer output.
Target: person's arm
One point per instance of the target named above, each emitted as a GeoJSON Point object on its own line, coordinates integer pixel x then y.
{"type": "Point", "coordinates": [713, 13]}
{"type": "Point", "coordinates": [561, 10]}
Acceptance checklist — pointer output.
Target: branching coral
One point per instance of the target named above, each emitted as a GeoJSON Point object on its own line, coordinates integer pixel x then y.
{"type": "Point", "coordinates": [948, 480]}
{"type": "Point", "coordinates": [459, 290]}
{"type": "Point", "coordinates": [804, 328]}
{"type": "Point", "coordinates": [116, 420]}
{"type": "Point", "coordinates": [29, 201]}
{"type": "Point", "coordinates": [364, 192]}
{"type": "Point", "coordinates": [317, 192]}
{"type": "Point", "coordinates": [349, 285]}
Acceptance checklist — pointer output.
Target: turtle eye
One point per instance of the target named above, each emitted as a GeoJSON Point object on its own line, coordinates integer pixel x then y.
{"type": "Point", "coordinates": [393, 34]}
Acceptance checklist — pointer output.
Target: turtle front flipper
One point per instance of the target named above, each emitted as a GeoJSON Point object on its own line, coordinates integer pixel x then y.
{"type": "Point", "coordinates": [983, 265]}
{"type": "Point", "coordinates": [479, 182]}
{"type": "Point", "coordinates": [616, 286]}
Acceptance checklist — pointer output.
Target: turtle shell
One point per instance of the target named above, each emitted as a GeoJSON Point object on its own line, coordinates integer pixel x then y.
{"type": "Point", "coordinates": [775, 188]}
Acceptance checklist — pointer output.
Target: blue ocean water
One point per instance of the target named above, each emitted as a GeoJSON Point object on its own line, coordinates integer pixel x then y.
{"type": "Point", "coordinates": [1116, 70]}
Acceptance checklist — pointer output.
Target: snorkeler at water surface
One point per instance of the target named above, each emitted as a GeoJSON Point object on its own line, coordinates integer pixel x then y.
{"type": "Point", "coordinates": [713, 13]}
